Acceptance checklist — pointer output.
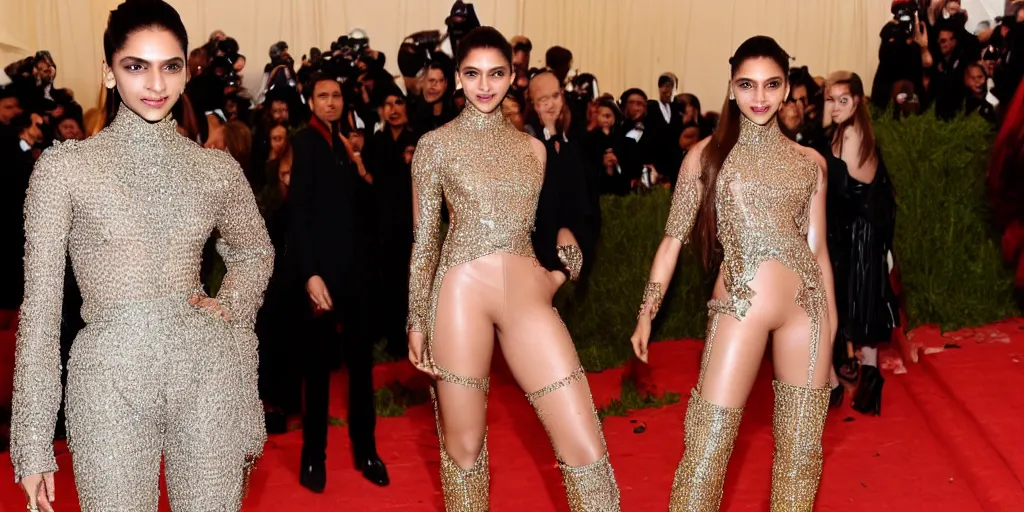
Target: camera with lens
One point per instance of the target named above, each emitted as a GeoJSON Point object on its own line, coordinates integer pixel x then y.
{"type": "Point", "coordinates": [417, 50]}
{"type": "Point", "coordinates": [583, 89]}
{"type": "Point", "coordinates": [905, 14]}
{"type": "Point", "coordinates": [223, 68]}
{"type": "Point", "coordinates": [340, 62]}
{"type": "Point", "coordinates": [228, 48]}
{"type": "Point", "coordinates": [460, 21]}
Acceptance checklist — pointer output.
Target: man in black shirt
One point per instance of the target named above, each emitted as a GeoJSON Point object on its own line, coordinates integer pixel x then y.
{"type": "Point", "coordinates": [331, 243]}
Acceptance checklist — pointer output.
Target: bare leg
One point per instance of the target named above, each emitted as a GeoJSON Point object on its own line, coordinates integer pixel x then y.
{"type": "Point", "coordinates": [461, 348]}
{"type": "Point", "coordinates": [543, 360]}
{"type": "Point", "coordinates": [732, 357]}
{"type": "Point", "coordinates": [802, 389]}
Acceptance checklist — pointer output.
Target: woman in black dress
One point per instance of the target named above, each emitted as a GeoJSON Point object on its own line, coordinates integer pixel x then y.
{"type": "Point", "coordinates": [861, 223]}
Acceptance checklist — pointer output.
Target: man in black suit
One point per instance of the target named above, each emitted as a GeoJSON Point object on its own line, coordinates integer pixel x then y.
{"type": "Point", "coordinates": [665, 124]}
{"type": "Point", "coordinates": [331, 245]}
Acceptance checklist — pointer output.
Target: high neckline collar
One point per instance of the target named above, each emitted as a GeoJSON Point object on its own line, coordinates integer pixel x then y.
{"type": "Point", "coordinates": [472, 118]}
{"type": "Point", "coordinates": [753, 133]}
{"type": "Point", "coordinates": [129, 123]}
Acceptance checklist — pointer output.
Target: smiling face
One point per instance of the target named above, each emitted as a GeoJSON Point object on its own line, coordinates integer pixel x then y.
{"type": "Point", "coordinates": [394, 112]}
{"type": "Point", "coordinates": [974, 80]}
{"type": "Point", "coordinates": [759, 88]}
{"type": "Point", "coordinates": [485, 75]}
{"type": "Point", "coordinates": [148, 72]}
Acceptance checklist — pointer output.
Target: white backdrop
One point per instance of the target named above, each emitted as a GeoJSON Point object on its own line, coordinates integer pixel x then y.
{"type": "Point", "coordinates": [624, 43]}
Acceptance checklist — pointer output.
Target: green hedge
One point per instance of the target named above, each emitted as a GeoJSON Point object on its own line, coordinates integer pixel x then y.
{"type": "Point", "coordinates": [952, 269]}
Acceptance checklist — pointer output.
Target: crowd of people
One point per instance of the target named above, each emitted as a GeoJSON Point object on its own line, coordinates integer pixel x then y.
{"type": "Point", "coordinates": [327, 147]}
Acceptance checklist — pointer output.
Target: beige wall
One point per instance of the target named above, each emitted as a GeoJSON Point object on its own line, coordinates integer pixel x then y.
{"type": "Point", "coordinates": [626, 43]}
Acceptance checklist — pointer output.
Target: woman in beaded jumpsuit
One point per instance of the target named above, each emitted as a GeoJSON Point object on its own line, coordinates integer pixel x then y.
{"type": "Point", "coordinates": [484, 279]}
{"type": "Point", "coordinates": [159, 370]}
{"type": "Point", "coordinates": [762, 198]}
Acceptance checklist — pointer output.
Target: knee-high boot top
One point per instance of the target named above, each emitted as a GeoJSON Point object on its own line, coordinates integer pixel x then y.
{"type": "Point", "coordinates": [710, 433]}
{"type": "Point", "coordinates": [798, 424]}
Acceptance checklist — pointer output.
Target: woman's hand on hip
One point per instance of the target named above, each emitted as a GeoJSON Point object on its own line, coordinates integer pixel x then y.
{"type": "Point", "coordinates": [210, 305]}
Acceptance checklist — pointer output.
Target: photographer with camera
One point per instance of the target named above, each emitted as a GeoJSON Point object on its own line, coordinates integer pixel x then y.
{"type": "Point", "coordinates": [432, 108]}
{"type": "Point", "coordinates": [279, 73]}
{"type": "Point", "coordinates": [207, 94]}
{"type": "Point", "coordinates": [904, 53]}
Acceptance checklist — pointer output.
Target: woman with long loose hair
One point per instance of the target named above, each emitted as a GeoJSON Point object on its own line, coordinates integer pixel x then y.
{"type": "Point", "coordinates": [862, 223]}
{"type": "Point", "coordinates": [756, 203]}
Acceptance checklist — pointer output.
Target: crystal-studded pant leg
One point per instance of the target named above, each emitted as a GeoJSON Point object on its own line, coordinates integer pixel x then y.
{"type": "Point", "coordinates": [801, 355]}
{"type": "Point", "coordinates": [543, 359]}
{"type": "Point", "coordinates": [114, 409]}
{"type": "Point", "coordinates": [205, 462]}
{"type": "Point", "coordinates": [462, 344]}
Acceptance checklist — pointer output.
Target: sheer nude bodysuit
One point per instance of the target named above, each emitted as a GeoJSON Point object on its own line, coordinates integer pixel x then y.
{"type": "Point", "coordinates": [484, 281]}
{"type": "Point", "coordinates": [770, 284]}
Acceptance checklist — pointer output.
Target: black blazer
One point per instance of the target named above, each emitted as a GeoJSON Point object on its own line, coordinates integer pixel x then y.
{"type": "Point", "coordinates": [328, 228]}
{"type": "Point", "coordinates": [668, 154]}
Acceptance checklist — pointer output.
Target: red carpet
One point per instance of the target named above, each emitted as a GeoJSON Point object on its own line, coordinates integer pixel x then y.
{"type": "Point", "coordinates": [949, 440]}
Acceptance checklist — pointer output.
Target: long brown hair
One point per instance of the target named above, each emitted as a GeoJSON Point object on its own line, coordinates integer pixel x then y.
{"type": "Point", "coordinates": [722, 142]}
{"type": "Point", "coordinates": [861, 117]}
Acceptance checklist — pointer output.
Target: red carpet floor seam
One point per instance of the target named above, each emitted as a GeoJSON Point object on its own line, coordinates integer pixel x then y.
{"type": "Point", "coordinates": [948, 440]}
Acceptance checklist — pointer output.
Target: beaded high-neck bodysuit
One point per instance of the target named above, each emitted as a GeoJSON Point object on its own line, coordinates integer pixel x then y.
{"type": "Point", "coordinates": [149, 375]}
{"type": "Point", "coordinates": [491, 180]}
{"type": "Point", "coordinates": [763, 196]}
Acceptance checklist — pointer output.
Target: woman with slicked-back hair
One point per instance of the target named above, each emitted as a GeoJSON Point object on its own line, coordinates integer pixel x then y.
{"type": "Point", "coordinates": [484, 280]}
{"type": "Point", "coordinates": [160, 371]}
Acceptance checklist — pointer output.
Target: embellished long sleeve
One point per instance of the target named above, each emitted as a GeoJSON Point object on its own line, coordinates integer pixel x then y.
{"type": "Point", "coordinates": [246, 249]}
{"type": "Point", "coordinates": [686, 199]}
{"type": "Point", "coordinates": [426, 177]}
{"type": "Point", "coordinates": [37, 388]}
{"type": "Point", "coordinates": [248, 255]}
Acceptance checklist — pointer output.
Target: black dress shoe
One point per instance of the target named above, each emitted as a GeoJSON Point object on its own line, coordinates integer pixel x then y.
{"type": "Point", "coordinates": [313, 476]}
{"type": "Point", "coordinates": [868, 398]}
{"type": "Point", "coordinates": [373, 470]}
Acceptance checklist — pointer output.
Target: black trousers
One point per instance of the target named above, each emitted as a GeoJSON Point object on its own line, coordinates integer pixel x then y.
{"type": "Point", "coordinates": [279, 327]}
{"type": "Point", "coordinates": [393, 296]}
{"type": "Point", "coordinates": [348, 331]}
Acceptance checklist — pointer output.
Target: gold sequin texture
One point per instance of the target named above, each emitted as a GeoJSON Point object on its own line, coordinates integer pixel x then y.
{"type": "Point", "coordinates": [651, 303]}
{"type": "Point", "coordinates": [798, 424]}
{"type": "Point", "coordinates": [572, 258]}
{"type": "Point", "coordinates": [587, 489]}
{"type": "Point", "coordinates": [763, 196]}
{"type": "Point", "coordinates": [710, 434]}
{"type": "Point", "coordinates": [491, 178]}
{"type": "Point", "coordinates": [149, 375]}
